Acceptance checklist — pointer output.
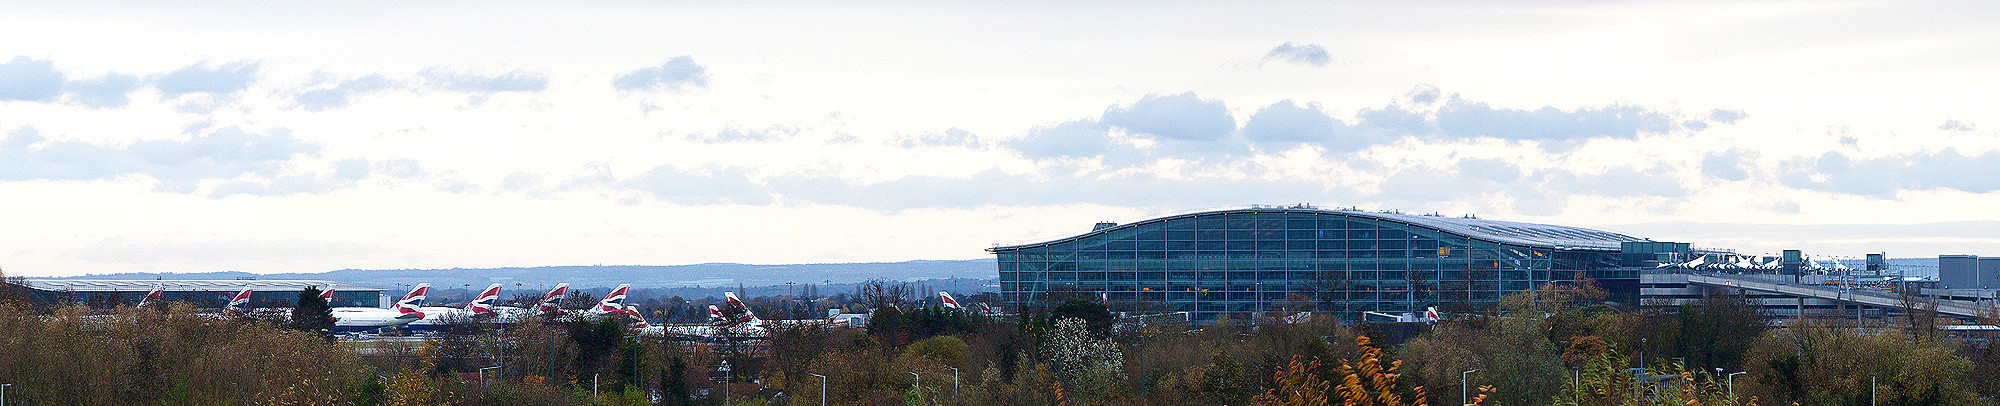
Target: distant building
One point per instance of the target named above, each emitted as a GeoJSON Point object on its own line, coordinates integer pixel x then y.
{"type": "Point", "coordinates": [204, 293]}
{"type": "Point", "coordinates": [1260, 259]}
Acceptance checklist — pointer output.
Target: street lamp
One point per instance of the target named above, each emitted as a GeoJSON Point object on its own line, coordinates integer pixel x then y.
{"type": "Point", "coordinates": [1464, 393]}
{"type": "Point", "coordinates": [3, 393]}
{"type": "Point", "coordinates": [920, 380]}
{"type": "Point", "coordinates": [483, 377]}
{"type": "Point", "coordinates": [822, 388]}
{"type": "Point", "coordinates": [1732, 383]}
{"type": "Point", "coordinates": [725, 381]}
{"type": "Point", "coordinates": [1871, 389]}
{"type": "Point", "coordinates": [954, 383]}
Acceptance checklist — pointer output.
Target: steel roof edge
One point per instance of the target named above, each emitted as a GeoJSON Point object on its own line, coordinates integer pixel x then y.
{"type": "Point", "coordinates": [1465, 227]}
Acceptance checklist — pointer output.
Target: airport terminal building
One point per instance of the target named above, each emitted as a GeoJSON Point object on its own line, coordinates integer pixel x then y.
{"type": "Point", "coordinates": [202, 293]}
{"type": "Point", "coordinates": [1294, 258]}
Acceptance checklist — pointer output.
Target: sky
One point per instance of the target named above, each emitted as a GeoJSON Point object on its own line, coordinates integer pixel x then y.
{"type": "Point", "coordinates": [304, 137]}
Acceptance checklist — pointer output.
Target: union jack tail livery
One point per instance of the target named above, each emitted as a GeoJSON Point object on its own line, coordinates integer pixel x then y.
{"type": "Point", "coordinates": [483, 305]}
{"type": "Point", "coordinates": [326, 294]}
{"type": "Point", "coordinates": [615, 301]}
{"type": "Point", "coordinates": [984, 308]}
{"type": "Point", "coordinates": [1431, 314]}
{"type": "Point", "coordinates": [715, 316]}
{"type": "Point", "coordinates": [949, 303]}
{"type": "Point", "coordinates": [638, 320]}
{"type": "Point", "coordinates": [551, 302]}
{"type": "Point", "coordinates": [238, 305]}
{"type": "Point", "coordinates": [154, 296]}
{"type": "Point", "coordinates": [413, 301]}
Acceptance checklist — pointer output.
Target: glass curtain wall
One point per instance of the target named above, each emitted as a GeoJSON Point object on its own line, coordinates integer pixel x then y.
{"type": "Point", "coordinates": [1249, 262]}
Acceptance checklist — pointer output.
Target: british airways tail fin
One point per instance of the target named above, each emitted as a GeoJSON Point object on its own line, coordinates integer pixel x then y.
{"type": "Point", "coordinates": [614, 302]}
{"type": "Point", "coordinates": [154, 296]}
{"type": "Point", "coordinates": [482, 306]}
{"type": "Point", "coordinates": [551, 302]}
{"type": "Point", "coordinates": [239, 305]}
{"type": "Point", "coordinates": [949, 303]}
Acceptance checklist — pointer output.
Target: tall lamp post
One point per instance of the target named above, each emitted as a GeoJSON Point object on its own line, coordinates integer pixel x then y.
{"type": "Point", "coordinates": [822, 388]}
{"type": "Point", "coordinates": [1732, 384]}
{"type": "Point", "coordinates": [3, 393]}
{"type": "Point", "coordinates": [919, 386]}
{"type": "Point", "coordinates": [1871, 389]}
{"type": "Point", "coordinates": [1464, 392]}
{"type": "Point", "coordinates": [725, 381]}
{"type": "Point", "coordinates": [954, 383]}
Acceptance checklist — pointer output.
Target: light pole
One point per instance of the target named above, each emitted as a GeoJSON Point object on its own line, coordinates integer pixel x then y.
{"type": "Point", "coordinates": [920, 381]}
{"type": "Point", "coordinates": [1464, 392]}
{"type": "Point", "coordinates": [954, 383]}
{"type": "Point", "coordinates": [483, 377]}
{"type": "Point", "coordinates": [1871, 389]}
{"type": "Point", "coordinates": [1732, 384]}
{"type": "Point", "coordinates": [725, 381]}
{"type": "Point", "coordinates": [3, 393]}
{"type": "Point", "coordinates": [822, 388]}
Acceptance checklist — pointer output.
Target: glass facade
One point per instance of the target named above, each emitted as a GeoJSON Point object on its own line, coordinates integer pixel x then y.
{"type": "Point", "coordinates": [1239, 262]}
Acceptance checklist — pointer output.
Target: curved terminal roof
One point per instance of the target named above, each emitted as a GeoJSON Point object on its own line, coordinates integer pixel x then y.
{"type": "Point", "coordinates": [1506, 232]}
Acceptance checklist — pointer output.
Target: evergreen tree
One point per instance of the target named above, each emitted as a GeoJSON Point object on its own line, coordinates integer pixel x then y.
{"type": "Point", "coordinates": [673, 384]}
{"type": "Point", "coordinates": [312, 315]}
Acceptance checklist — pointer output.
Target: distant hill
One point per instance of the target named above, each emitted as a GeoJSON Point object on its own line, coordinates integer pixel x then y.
{"type": "Point", "coordinates": [713, 275]}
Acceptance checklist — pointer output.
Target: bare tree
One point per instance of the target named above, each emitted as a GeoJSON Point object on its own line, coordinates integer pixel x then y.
{"type": "Point", "coordinates": [880, 292]}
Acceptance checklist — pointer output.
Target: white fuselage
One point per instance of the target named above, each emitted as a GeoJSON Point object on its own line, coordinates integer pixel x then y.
{"type": "Point", "coordinates": [367, 318]}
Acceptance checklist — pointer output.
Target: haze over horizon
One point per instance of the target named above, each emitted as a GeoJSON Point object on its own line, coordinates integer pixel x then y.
{"type": "Point", "coordinates": [305, 137]}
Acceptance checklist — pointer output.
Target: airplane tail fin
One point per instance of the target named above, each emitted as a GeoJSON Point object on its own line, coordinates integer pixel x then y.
{"type": "Point", "coordinates": [326, 294]}
{"type": "Point", "coordinates": [715, 316]}
{"type": "Point", "coordinates": [239, 305]}
{"type": "Point", "coordinates": [154, 296]}
{"type": "Point", "coordinates": [638, 320]}
{"type": "Point", "coordinates": [482, 306]}
{"type": "Point", "coordinates": [614, 302]}
{"type": "Point", "coordinates": [551, 302]}
{"type": "Point", "coordinates": [949, 303]}
{"type": "Point", "coordinates": [1431, 313]}
{"type": "Point", "coordinates": [412, 301]}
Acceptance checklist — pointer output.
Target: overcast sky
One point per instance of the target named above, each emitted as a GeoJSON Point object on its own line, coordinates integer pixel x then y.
{"type": "Point", "coordinates": [267, 137]}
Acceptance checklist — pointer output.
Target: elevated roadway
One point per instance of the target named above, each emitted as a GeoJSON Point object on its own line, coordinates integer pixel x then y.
{"type": "Point", "coordinates": [1864, 297]}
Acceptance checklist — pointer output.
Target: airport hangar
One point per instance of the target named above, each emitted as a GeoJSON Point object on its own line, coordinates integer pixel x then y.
{"type": "Point", "coordinates": [1361, 265]}
{"type": "Point", "coordinates": [202, 293]}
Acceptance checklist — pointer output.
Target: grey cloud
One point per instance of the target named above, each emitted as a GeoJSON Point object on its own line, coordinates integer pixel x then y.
{"type": "Point", "coordinates": [1726, 116]}
{"type": "Point", "coordinates": [201, 78]}
{"type": "Point", "coordinates": [999, 188]}
{"type": "Point", "coordinates": [1425, 94]}
{"type": "Point", "coordinates": [351, 169]}
{"type": "Point", "coordinates": [24, 79]}
{"type": "Point", "coordinates": [1955, 125]}
{"type": "Point", "coordinates": [710, 186]}
{"type": "Point", "coordinates": [1285, 121]}
{"type": "Point", "coordinates": [1471, 120]}
{"type": "Point", "coordinates": [952, 137]}
{"type": "Point", "coordinates": [677, 73]}
{"type": "Point", "coordinates": [1883, 177]}
{"type": "Point", "coordinates": [1080, 138]}
{"type": "Point", "coordinates": [1305, 54]}
{"type": "Point", "coordinates": [1395, 119]}
{"type": "Point", "coordinates": [225, 153]}
{"type": "Point", "coordinates": [734, 135]}
{"type": "Point", "coordinates": [521, 182]}
{"type": "Point", "coordinates": [1727, 165]}
{"type": "Point", "coordinates": [1427, 184]}
{"type": "Point", "coordinates": [341, 94]}
{"type": "Point", "coordinates": [516, 81]}
{"type": "Point", "coordinates": [108, 91]}
{"type": "Point", "coordinates": [1184, 116]}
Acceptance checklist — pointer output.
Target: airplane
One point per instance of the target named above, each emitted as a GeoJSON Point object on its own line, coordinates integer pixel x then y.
{"type": "Point", "coordinates": [404, 312]}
